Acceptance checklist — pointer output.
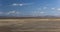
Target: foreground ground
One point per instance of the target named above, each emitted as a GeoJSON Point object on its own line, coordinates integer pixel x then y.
{"type": "Point", "coordinates": [29, 25]}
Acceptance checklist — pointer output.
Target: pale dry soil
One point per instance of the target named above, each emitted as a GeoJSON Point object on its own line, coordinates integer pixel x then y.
{"type": "Point", "coordinates": [29, 25]}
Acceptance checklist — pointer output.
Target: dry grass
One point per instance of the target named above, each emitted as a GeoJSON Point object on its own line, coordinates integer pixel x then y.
{"type": "Point", "coordinates": [29, 25]}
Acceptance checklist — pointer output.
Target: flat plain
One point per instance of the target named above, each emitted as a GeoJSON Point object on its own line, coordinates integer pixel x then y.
{"type": "Point", "coordinates": [30, 25]}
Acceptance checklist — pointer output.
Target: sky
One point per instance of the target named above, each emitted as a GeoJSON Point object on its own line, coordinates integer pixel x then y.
{"type": "Point", "coordinates": [28, 8]}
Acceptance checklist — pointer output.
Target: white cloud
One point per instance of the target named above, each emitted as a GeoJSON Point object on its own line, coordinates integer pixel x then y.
{"type": "Point", "coordinates": [53, 8]}
{"type": "Point", "coordinates": [17, 4]}
{"type": "Point", "coordinates": [13, 12]}
{"type": "Point", "coordinates": [38, 13]}
{"type": "Point", "coordinates": [42, 12]}
{"type": "Point", "coordinates": [21, 4]}
{"type": "Point", "coordinates": [14, 4]}
{"type": "Point", "coordinates": [58, 9]}
{"type": "Point", "coordinates": [1, 12]}
{"type": "Point", "coordinates": [44, 7]}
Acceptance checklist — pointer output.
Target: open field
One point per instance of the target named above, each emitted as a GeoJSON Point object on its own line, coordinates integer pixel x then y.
{"type": "Point", "coordinates": [29, 25]}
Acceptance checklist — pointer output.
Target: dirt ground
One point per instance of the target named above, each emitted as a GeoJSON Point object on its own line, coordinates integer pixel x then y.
{"type": "Point", "coordinates": [29, 25]}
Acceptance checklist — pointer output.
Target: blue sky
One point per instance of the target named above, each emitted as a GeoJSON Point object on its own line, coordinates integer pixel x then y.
{"type": "Point", "coordinates": [29, 7]}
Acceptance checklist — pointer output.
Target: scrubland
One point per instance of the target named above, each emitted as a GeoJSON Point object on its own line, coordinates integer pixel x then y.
{"type": "Point", "coordinates": [29, 25]}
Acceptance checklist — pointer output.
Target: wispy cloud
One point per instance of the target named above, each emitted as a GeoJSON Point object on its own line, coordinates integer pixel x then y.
{"type": "Point", "coordinates": [52, 8]}
{"type": "Point", "coordinates": [42, 12]}
{"type": "Point", "coordinates": [44, 7]}
{"type": "Point", "coordinates": [38, 13]}
{"type": "Point", "coordinates": [1, 12]}
{"type": "Point", "coordinates": [17, 4]}
{"type": "Point", "coordinates": [21, 4]}
{"type": "Point", "coordinates": [13, 13]}
{"type": "Point", "coordinates": [58, 9]}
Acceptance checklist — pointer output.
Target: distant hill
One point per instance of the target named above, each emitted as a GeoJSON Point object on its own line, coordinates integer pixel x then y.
{"type": "Point", "coordinates": [13, 17]}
